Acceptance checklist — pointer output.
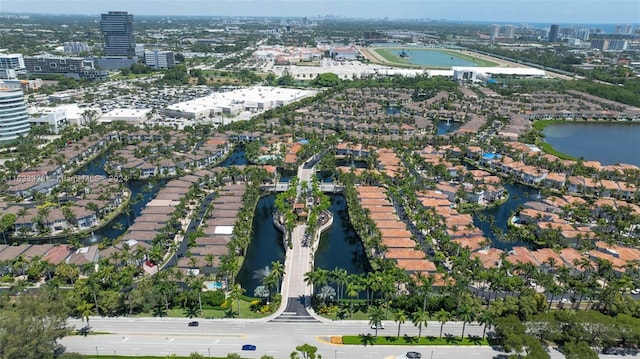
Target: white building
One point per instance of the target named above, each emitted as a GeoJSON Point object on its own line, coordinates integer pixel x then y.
{"type": "Point", "coordinates": [509, 31]}
{"type": "Point", "coordinates": [74, 47]}
{"type": "Point", "coordinates": [14, 120]}
{"type": "Point", "coordinates": [131, 116]}
{"type": "Point", "coordinates": [55, 118]}
{"type": "Point", "coordinates": [252, 99]}
{"type": "Point", "coordinates": [495, 32]}
{"type": "Point", "coordinates": [484, 73]}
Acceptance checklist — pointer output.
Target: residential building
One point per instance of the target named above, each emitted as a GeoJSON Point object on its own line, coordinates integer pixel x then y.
{"type": "Point", "coordinates": [495, 32]}
{"type": "Point", "coordinates": [583, 34]}
{"type": "Point", "coordinates": [509, 31]}
{"type": "Point", "coordinates": [157, 59]}
{"type": "Point", "coordinates": [117, 29]}
{"type": "Point", "coordinates": [14, 120]}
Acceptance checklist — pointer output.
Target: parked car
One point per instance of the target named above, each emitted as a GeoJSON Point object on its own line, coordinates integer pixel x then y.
{"type": "Point", "coordinates": [193, 324]}
{"type": "Point", "coordinates": [413, 355]}
{"type": "Point", "coordinates": [248, 347]}
{"type": "Point", "coordinates": [635, 291]}
{"type": "Point", "coordinates": [379, 326]}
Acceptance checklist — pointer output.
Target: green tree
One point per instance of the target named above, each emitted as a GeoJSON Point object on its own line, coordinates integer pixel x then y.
{"type": "Point", "coordinates": [579, 350]}
{"type": "Point", "coordinates": [305, 351]}
{"type": "Point", "coordinates": [443, 316]}
{"type": "Point", "coordinates": [375, 317]}
{"type": "Point", "coordinates": [31, 327]}
{"type": "Point", "coordinates": [399, 316]}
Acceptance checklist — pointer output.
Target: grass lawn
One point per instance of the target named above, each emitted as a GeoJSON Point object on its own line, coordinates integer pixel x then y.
{"type": "Point", "coordinates": [541, 124]}
{"type": "Point", "coordinates": [480, 62]}
{"type": "Point", "coordinates": [245, 312]}
{"type": "Point", "coordinates": [409, 340]}
{"type": "Point", "coordinates": [141, 357]}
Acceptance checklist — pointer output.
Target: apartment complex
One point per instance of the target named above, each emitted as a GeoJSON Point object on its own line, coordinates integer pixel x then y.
{"type": "Point", "coordinates": [14, 120]}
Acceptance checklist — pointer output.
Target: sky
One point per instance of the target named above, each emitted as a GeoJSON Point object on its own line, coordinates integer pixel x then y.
{"type": "Point", "coordinates": [530, 11]}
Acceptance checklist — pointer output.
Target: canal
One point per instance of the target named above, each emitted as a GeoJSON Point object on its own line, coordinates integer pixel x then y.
{"type": "Point", "coordinates": [497, 217]}
{"type": "Point", "coordinates": [340, 246]}
{"type": "Point", "coordinates": [265, 247]}
{"type": "Point", "coordinates": [142, 191]}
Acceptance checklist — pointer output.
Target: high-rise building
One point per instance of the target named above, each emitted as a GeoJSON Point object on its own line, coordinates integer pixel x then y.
{"type": "Point", "coordinates": [14, 120]}
{"type": "Point", "coordinates": [509, 31]}
{"type": "Point", "coordinates": [553, 33]}
{"type": "Point", "coordinates": [495, 32]}
{"type": "Point", "coordinates": [617, 45]}
{"type": "Point", "coordinates": [624, 29]}
{"type": "Point", "coordinates": [583, 34]}
{"type": "Point", "coordinates": [117, 29]}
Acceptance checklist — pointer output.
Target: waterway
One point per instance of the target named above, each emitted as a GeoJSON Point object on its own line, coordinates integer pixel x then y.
{"type": "Point", "coordinates": [433, 58]}
{"type": "Point", "coordinates": [340, 246]}
{"type": "Point", "coordinates": [265, 247]}
{"type": "Point", "coordinates": [499, 215]}
{"type": "Point", "coordinates": [142, 191]}
{"type": "Point", "coordinates": [236, 158]}
{"type": "Point", "coordinates": [446, 127]}
{"type": "Point", "coordinates": [608, 143]}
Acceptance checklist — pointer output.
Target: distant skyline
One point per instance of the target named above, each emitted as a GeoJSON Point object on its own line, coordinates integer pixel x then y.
{"type": "Point", "coordinates": [516, 11]}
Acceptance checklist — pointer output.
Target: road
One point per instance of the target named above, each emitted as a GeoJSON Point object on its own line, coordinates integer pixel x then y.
{"type": "Point", "coordinates": [219, 337]}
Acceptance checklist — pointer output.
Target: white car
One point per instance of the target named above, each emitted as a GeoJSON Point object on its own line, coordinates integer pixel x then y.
{"type": "Point", "coordinates": [635, 291]}
{"type": "Point", "coordinates": [565, 300]}
{"type": "Point", "coordinates": [379, 326]}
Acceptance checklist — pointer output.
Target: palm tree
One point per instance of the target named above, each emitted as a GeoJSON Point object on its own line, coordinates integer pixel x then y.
{"type": "Point", "coordinates": [443, 316]}
{"type": "Point", "coordinates": [421, 319]}
{"type": "Point", "coordinates": [400, 317]}
{"type": "Point", "coordinates": [277, 271]}
{"type": "Point", "coordinates": [466, 315]}
{"type": "Point", "coordinates": [375, 317]}
{"type": "Point", "coordinates": [86, 310]}
{"type": "Point", "coordinates": [486, 318]}
{"type": "Point", "coordinates": [235, 293]}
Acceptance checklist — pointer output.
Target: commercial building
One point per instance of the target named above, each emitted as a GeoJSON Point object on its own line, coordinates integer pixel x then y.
{"type": "Point", "coordinates": [553, 33]}
{"type": "Point", "coordinates": [117, 29]}
{"type": "Point", "coordinates": [252, 99]}
{"type": "Point", "coordinates": [11, 65]}
{"type": "Point", "coordinates": [53, 117]}
{"type": "Point", "coordinates": [14, 120]}
{"type": "Point", "coordinates": [73, 67]}
{"type": "Point", "coordinates": [157, 59]}
{"type": "Point", "coordinates": [130, 116]}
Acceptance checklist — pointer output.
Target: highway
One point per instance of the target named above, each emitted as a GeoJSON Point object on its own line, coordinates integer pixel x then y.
{"type": "Point", "coordinates": [219, 337]}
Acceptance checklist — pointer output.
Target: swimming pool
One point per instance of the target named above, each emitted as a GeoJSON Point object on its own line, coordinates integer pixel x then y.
{"type": "Point", "coordinates": [214, 285]}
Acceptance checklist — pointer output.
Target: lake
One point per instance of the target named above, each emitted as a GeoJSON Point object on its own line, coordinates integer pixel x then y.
{"type": "Point", "coordinates": [608, 143]}
{"type": "Point", "coordinates": [433, 58]}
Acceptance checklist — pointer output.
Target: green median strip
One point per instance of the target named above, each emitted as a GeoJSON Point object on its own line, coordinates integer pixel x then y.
{"type": "Point", "coordinates": [369, 339]}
